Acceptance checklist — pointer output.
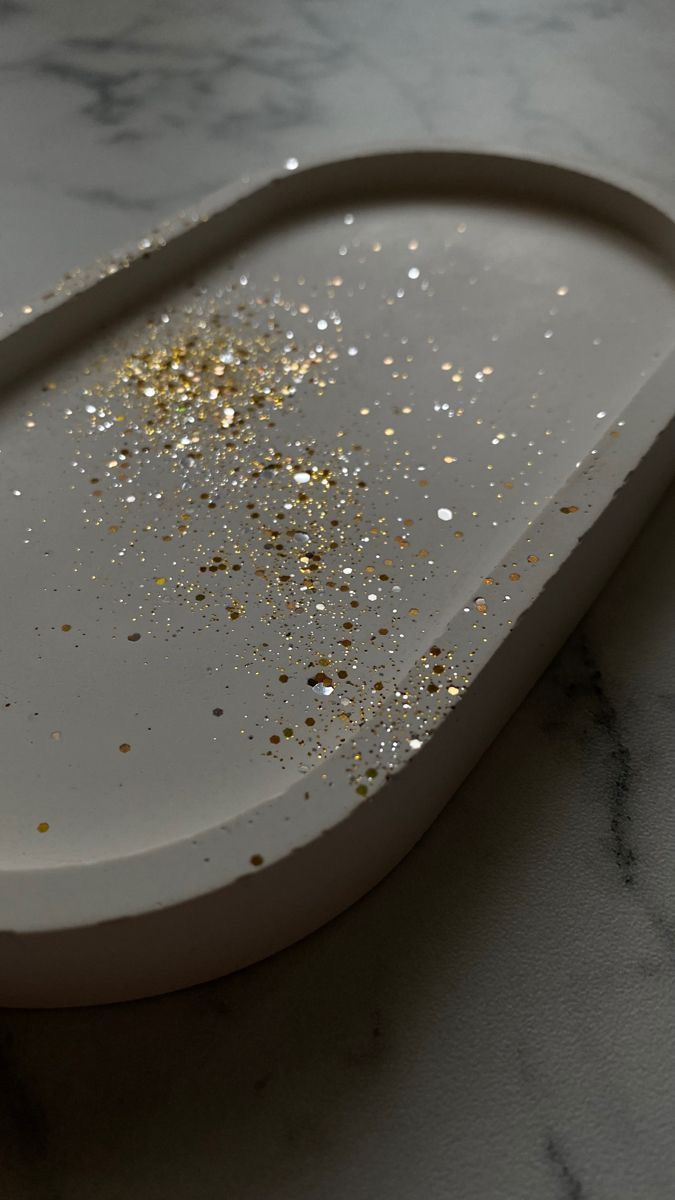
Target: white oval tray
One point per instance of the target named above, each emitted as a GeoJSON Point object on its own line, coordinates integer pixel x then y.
{"type": "Point", "coordinates": [298, 500]}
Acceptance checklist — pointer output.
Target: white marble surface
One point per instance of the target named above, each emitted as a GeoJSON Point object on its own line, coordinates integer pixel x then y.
{"type": "Point", "coordinates": [496, 1019]}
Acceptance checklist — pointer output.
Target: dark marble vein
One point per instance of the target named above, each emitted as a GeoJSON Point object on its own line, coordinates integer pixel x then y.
{"type": "Point", "coordinates": [13, 8]}
{"type": "Point", "coordinates": [529, 23]}
{"type": "Point", "coordinates": [581, 681]}
{"type": "Point", "coordinates": [570, 1185]}
{"type": "Point", "coordinates": [607, 718]}
{"type": "Point", "coordinates": [111, 198]}
{"type": "Point", "coordinates": [108, 104]}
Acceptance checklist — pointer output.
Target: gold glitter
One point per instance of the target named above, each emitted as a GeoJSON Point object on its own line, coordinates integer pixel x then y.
{"type": "Point", "coordinates": [257, 860]}
{"type": "Point", "coordinates": [514, 576]}
{"type": "Point", "coordinates": [569, 508]}
{"type": "Point", "coordinates": [66, 628]}
{"type": "Point", "coordinates": [481, 605]}
{"type": "Point", "coordinates": [125, 747]}
{"type": "Point", "coordinates": [218, 401]}
{"type": "Point", "coordinates": [533, 558]}
{"type": "Point", "coordinates": [42, 826]}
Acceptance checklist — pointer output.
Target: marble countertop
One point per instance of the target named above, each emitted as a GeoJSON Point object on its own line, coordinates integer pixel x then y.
{"type": "Point", "coordinates": [496, 1019]}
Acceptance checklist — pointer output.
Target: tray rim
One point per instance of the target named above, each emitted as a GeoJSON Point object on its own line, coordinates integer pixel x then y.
{"type": "Point", "coordinates": [58, 905]}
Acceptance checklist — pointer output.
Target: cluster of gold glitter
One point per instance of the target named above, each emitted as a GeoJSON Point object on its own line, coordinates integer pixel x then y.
{"type": "Point", "coordinates": [200, 402]}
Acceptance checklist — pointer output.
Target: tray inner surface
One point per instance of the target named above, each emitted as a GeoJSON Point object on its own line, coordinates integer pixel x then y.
{"type": "Point", "coordinates": [234, 523]}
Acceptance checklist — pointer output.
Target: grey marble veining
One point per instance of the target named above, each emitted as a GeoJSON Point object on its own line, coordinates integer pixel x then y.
{"type": "Point", "coordinates": [495, 1021]}
{"type": "Point", "coordinates": [113, 120]}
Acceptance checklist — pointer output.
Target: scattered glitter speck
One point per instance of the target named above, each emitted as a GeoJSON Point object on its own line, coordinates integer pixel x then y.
{"type": "Point", "coordinates": [292, 164]}
{"type": "Point", "coordinates": [444, 514]}
{"type": "Point", "coordinates": [42, 826]}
